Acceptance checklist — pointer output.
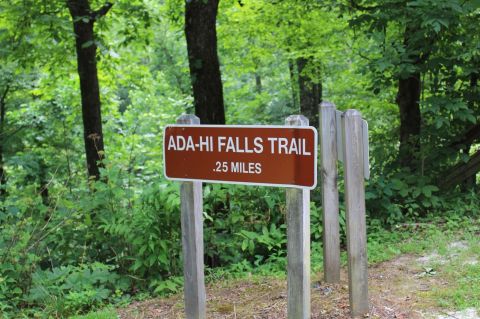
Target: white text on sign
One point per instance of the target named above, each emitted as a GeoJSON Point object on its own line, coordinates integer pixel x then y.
{"type": "Point", "coordinates": [238, 167]}
{"type": "Point", "coordinates": [225, 144]}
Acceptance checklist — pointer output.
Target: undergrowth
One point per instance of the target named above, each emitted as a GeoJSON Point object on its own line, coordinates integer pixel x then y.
{"type": "Point", "coordinates": [113, 245]}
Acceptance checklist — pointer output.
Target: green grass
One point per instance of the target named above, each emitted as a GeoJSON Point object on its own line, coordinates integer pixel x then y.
{"type": "Point", "coordinates": [102, 314]}
{"type": "Point", "coordinates": [384, 245]}
{"type": "Point", "coordinates": [463, 276]}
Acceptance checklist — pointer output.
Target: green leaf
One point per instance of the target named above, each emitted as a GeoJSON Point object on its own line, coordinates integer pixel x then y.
{"type": "Point", "coordinates": [244, 244]}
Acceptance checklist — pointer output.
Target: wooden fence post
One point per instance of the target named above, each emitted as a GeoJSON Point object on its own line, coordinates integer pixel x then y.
{"type": "Point", "coordinates": [191, 206]}
{"type": "Point", "coordinates": [298, 245]}
{"type": "Point", "coordinates": [353, 151]}
{"type": "Point", "coordinates": [331, 227]}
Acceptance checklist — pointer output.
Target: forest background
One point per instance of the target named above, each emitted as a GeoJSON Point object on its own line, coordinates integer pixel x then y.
{"type": "Point", "coordinates": [86, 88]}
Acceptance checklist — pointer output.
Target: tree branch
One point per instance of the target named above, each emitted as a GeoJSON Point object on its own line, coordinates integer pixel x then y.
{"type": "Point", "coordinates": [461, 172]}
{"type": "Point", "coordinates": [468, 137]}
{"type": "Point", "coordinates": [4, 95]}
{"type": "Point", "coordinates": [3, 107]}
{"type": "Point", "coordinates": [4, 136]}
{"type": "Point", "coordinates": [357, 6]}
{"type": "Point", "coordinates": [95, 15]}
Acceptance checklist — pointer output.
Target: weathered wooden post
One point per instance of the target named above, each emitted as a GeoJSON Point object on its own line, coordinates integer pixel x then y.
{"type": "Point", "coordinates": [354, 173]}
{"type": "Point", "coordinates": [331, 227]}
{"type": "Point", "coordinates": [298, 245]}
{"type": "Point", "coordinates": [273, 156]}
{"type": "Point", "coordinates": [192, 240]}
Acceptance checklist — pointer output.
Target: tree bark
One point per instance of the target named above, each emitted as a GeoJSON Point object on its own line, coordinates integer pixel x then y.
{"type": "Point", "coordinates": [467, 138]}
{"type": "Point", "coordinates": [201, 35]}
{"type": "Point", "coordinates": [258, 83]}
{"type": "Point", "coordinates": [83, 25]}
{"type": "Point", "coordinates": [409, 94]}
{"type": "Point", "coordinates": [461, 172]}
{"type": "Point", "coordinates": [3, 112]}
{"type": "Point", "coordinates": [43, 183]}
{"type": "Point", "coordinates": [294, 84]}
{"type": "Point", "coordinates": [310, 93]}
{"type": "Point", "coordinates": [408, 100]}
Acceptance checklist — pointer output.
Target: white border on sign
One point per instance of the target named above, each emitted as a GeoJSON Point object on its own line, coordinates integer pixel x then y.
{"type": "Point", "coordinates": [245, 183]}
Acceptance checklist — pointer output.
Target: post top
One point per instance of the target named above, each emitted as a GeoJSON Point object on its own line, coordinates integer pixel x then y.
{"type": "Point", "coordinates": [296, 120]}
{"type": "Point", "coordinates": [352, 113]}
{"type": "Point", "coordinates": [327, 105]}
{"type": "Point", "coordinates": [188, 119]}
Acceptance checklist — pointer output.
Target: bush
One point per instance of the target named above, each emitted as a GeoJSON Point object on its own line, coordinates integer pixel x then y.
{"type": "Point", "coordinates": [68, 290]}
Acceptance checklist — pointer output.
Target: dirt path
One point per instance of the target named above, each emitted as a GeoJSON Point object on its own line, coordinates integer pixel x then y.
{"type": "Point", "coordinates": [397, 290]}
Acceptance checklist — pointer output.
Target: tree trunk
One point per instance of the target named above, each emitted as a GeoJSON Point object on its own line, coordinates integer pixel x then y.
{"type": "Point", "coordinates": [3, 175]}
{"type": "Point", "coordinates": [435, 79]}
{"type": "Point", "coordinates": [43, 183]}
{"type": "Point", "coordinates": [258, 83]}
{"type": "Point", "coordinates": [408, 100]}
{"type": "Point", "coordinates": [294, 84]}
{"type": "Point", "coordinates": [3, 112]}
{"type": "Point", "coordinates": [201, 35]}
{"type": "Point", "coordinates": [310, 93]}
{"type": "Point", "coordinates": [83, 22]}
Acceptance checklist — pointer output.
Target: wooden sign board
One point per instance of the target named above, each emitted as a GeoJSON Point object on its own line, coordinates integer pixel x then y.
{"type": "Point", "coordinates": [262, 155]}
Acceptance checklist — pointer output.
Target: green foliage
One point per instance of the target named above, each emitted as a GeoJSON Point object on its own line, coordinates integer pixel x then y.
{"type": "Point", "coordinates": [71, 289]}
{"type": "Point", "coordinates": [403, 196]}
{"type": "Point", "coordinates": [243, 222]}
{"type": "Point", "coordinates": [271, 242]}
{"type": "Point", "coordinates": [68, 245]}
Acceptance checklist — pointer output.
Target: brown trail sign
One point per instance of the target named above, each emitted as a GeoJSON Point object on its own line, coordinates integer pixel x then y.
{"type": "Point", "coordinates": [265, 155]}
{"type": "Point", "coordinates": [284, 156]}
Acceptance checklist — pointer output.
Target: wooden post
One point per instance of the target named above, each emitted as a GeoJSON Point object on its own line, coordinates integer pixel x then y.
{"type": "Point", "coordinates": [329, 174]}
{"type": "Point", "coordinates": [298, 245]}
{"type": "Point", "coordinates": [191, 198]}
{"type": "Point", "coordinates": [353, 149]}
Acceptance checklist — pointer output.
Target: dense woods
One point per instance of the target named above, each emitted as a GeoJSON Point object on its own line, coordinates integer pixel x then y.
{"type": "Point", "coordinates": [86, 87]}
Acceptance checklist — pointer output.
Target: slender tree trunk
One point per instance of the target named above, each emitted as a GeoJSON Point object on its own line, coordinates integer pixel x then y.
{"type": "Point", "coordinates": [3, 112]}
{"type": "Point", "coordinates": [201, 35]}
{"type": "Point", "coordinates": [294, 84]}
{"type": "Point", "coordinates": [408, 100]}
{"type": "Point", "coordinates": [258, 83]}
{"type": "Point", "coordinates": [43, 183]}
{"type": "Point", "coordinates": [310, 93]}
{"type": "Point", "coordinates": [83, 23]}
{"type": "Point", "coordinates": [435, 80]}
{"type": "Point", "coordinates": [3, 175]}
